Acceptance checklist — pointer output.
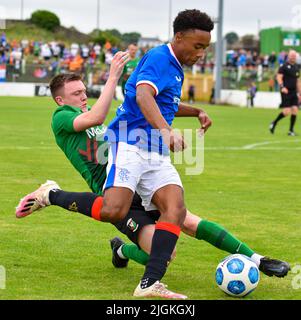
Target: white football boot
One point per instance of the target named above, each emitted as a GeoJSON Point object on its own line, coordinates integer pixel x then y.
{"type": "Point", "coordinates": [36, 200]}
{"type": "Point", "coordinates": [158, 289]}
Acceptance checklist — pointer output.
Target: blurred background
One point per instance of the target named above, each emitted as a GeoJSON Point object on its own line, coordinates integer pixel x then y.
{"type": "Point", "coordinates": [250, 41]}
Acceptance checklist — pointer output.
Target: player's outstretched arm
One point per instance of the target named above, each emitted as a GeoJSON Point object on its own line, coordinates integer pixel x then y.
{"type": "Point", "coordinates": [100, 109]}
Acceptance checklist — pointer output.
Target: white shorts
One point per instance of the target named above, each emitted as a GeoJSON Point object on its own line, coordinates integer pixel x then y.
{"type": "Point", "coordinates": [140, 171]}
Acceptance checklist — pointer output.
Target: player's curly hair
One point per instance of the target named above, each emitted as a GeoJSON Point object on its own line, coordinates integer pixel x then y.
{"type": "Point", "coordinates": [192, 19]}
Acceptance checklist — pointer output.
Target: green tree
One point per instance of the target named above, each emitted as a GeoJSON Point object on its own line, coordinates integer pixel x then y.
{"type": "Point", "coordinates": [130, 37]}
{"type": "Point", "coordinates": [231, 37]}
{"type": "Point", "coordinates": [249, 41]}
{"type": "Point", "coordinates": [45, 19]}
{"type": "Point", "coordinates": [102, 37]}
{"type": "Point", "coordinates": [114, 32]}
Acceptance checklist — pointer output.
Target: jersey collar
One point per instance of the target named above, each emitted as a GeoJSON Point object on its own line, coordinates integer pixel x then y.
{"type": "Point", "coordinates": [173, 54]}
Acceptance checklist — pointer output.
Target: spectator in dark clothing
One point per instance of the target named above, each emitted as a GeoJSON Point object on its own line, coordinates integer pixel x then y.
{"type": "Point", "coordinates": [191, 94]}
{"type": "Point", "coordinates": [272, 60]}
{"type": "Point", "coordinates": [251, 93]}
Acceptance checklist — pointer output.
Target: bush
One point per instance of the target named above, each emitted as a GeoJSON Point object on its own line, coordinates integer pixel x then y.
{"type": "Point", "coordinates": [102, 37]}
{"type": "Point", "coordinates": [45, 19]}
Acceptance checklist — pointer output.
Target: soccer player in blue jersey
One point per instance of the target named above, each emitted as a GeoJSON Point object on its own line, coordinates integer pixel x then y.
{"type": "Point", "coordinates": [164, 227]}
{"type": "Point", "coordinates": [141, 137]}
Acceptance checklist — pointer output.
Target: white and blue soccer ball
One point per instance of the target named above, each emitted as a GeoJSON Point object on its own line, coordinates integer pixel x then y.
{"type": "Point", "coordinates": [237, 275]}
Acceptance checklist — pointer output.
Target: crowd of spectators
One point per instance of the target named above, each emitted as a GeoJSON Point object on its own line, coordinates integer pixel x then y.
{"type": "Point", "coordinates": [43, 60]}
{"type": "Point", "coordinates": [245, 66]}
{"type": "Point", "coordinates": [46, 59]}
{"type": "Point", "coordinates": [251, 59]}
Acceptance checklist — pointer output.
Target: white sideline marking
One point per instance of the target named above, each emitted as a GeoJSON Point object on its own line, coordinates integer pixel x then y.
{"type": "Point", "coordinates": [243, 149]}
{"type": "Point", "coordinates": [253, 146]}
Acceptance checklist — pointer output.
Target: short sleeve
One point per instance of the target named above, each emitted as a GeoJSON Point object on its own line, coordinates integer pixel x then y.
{"type": "Point", "coordinates": [63, 120]}
{"type": "Point", "coordinates": [281, 69]}
{"type": "Point", "coordinates": [155, 72]}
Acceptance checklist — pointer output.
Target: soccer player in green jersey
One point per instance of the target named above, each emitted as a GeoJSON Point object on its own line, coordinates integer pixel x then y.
{"type": "Point", "coordinates": [79, 134]}
{"type": "Point", "coordinates": [130, 66]}
{"type": "Point", "coordinates": [79, 142]}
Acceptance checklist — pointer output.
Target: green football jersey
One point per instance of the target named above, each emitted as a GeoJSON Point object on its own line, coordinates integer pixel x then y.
{"type": "Point", "coordinates": [86, 150]}
{"type": "Point", "coordinates": [128, 70]}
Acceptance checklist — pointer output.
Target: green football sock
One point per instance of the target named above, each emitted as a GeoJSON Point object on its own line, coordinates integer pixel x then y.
{"type": "Point", "coordinates": [132, 252]}
{"type": "Point", "coordinates": [220, 238]}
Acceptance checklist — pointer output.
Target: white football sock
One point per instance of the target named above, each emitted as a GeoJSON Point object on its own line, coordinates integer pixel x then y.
{"type": "Point", "coordinates": [256, 258]}
{"type": "Point", "coordinates": [119, 252]}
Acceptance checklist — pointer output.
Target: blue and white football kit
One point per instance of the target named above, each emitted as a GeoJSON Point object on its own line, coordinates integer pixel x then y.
{"type": "Point", "coordinates": [138, 158]}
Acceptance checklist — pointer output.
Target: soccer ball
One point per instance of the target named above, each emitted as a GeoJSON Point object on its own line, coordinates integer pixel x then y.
{"type": "Point", "coordinates": [237, 275]}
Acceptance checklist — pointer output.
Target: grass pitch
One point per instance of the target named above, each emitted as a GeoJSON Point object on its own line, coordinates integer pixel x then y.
{"type": "Point", "coordinates": [251, 185]}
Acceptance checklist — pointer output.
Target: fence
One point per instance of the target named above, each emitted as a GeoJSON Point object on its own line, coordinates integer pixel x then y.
{"type": "Point", "coordinates": [43, 73]}
{"type": "Point", "coordinates": [234, 78]}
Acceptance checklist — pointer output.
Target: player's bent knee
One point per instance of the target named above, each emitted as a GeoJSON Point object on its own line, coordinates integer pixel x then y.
{"type": "Point", "coordinates": [181, 215]}
{"type": "Point", "coordinates": [174, 216]}
{"type": "Point", "coordinates": [295, 111]}
{"type": "Point", "coordinates": [113, 214]}
{"type": "Point", "coordinates": [176, 209]}
{"type": "Point", "coordinates": [117, 217]}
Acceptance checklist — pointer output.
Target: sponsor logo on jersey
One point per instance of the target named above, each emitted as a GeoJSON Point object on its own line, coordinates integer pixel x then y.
{"type": "Point", "coordinates": [179, 79]}
{"type": "Point", "coordinates": [96, 132]}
